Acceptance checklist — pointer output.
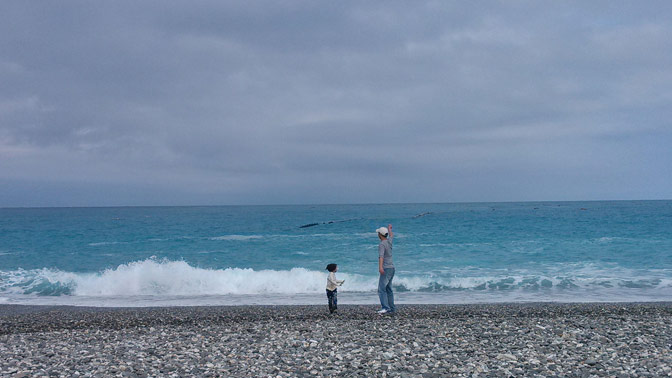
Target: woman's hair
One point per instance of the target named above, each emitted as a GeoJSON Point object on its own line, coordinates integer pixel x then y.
{"type": "Point", "coordinates": [331, 267]}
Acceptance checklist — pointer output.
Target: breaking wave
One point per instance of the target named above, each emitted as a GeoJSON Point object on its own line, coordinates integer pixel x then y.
{"type": "Point", "coordinates": [154, 277]}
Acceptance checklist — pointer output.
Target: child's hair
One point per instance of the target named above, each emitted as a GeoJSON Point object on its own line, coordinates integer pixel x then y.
{"type": "Point", "coordinates": [331, 267]}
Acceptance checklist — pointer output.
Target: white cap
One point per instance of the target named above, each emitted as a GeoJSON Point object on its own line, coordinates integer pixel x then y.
{"type": "Point", "coordinates": [383, 231]}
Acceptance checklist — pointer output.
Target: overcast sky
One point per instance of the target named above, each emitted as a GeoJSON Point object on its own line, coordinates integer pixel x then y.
{"type": "Point", "coordinates": [281, 102]}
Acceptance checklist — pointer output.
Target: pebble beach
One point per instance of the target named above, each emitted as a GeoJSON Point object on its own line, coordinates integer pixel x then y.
{"type": "Point", "coordinates": [484, 340]}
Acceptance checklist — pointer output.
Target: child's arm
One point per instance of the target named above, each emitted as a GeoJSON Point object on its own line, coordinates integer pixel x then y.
{"type": "Point", "coordinates": [389, 230]}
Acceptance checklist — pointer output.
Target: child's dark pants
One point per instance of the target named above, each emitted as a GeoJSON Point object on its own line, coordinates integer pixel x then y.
{"type": "Point", "coordinates": [333, 300]}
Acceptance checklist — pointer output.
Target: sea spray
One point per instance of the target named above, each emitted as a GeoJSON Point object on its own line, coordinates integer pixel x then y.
{"type": "Point", "coordinates": [162, 277]}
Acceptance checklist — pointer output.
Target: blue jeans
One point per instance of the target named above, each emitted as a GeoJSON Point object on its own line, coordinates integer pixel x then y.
{"type": "Point", "coordinates": [385, 290]}
{"type": "Point", "coordinates": [332, 298]}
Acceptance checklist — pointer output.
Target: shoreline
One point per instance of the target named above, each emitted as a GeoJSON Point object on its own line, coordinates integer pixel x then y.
{"type": "Point", "coordinates": [18, 318]}
{"type": "Point", "coordinates": [531, 339]}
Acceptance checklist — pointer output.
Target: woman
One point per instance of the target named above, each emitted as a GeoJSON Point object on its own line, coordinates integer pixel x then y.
{"type": "Point", "coordinates": [386, 270]}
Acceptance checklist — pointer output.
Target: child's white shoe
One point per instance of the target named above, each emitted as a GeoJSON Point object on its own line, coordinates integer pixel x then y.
{"type": "Point", "coordinates": [382, 311]}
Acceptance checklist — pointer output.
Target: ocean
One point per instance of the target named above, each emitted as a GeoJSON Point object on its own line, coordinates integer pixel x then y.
{"type": "Point", "coordinates": [610, 251]}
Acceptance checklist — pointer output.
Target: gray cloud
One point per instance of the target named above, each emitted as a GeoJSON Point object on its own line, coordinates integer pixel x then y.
{"type": "Point", "coordinates": [263, 102]}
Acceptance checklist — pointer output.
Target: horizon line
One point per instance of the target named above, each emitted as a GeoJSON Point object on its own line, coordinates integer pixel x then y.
{"type": "Point", "coordinates": [326, 204]}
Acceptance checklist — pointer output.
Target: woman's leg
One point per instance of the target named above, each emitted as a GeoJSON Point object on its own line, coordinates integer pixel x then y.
{"type": "Point", "coordinates": [382, 292]}
{"type": "Point", "coordinates": [388, 289]}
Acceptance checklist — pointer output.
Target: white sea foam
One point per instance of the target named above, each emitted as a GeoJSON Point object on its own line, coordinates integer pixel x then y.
{"type": "Point", "coordinates": [154, 278]}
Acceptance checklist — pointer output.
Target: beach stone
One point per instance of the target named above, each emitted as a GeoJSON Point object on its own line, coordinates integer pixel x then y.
{"type": "Point", "coordinates": [506, 357]}
{"type": "Point", "coordinates": [388, 355]}
{"type": "Point", "coordinates": [460, 340]}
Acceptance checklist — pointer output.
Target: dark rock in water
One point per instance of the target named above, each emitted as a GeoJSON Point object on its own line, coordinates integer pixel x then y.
{"type": "Point", "coordinates": [329, 222]}
{"type": "Point", "coordinates": [422, 215]}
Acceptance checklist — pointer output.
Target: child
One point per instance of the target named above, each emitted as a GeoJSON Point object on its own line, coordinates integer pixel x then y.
{"type": "Point", "coordinates": [332, 283]}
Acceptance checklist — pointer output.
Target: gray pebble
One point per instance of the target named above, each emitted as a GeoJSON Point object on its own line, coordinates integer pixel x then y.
{"type": "Point", "coordinates": [424, 340]}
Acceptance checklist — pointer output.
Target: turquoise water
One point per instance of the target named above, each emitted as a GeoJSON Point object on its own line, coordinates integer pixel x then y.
{"type": "Point", "coordinates": [445, 253]}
